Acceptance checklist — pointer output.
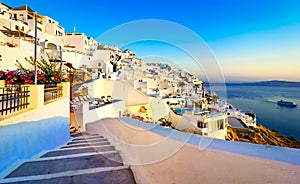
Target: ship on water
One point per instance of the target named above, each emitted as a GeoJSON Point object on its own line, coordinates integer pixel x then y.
{"type": "Point", "coordinates": [286, 103]}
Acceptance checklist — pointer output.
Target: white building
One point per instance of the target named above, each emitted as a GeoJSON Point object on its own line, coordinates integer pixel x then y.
{"type": "Point", "coordinates": [210, 124]}
{"type": "Point", "coordinates": [79, 41]}
{"type": "Point", "coordinates": [129, 54]}
{"type": "Point", "coordinates": [17, 26]}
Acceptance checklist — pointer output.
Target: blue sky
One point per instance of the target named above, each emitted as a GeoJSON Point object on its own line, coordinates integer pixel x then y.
{"type": "Point", "coordinates": [251, 39]}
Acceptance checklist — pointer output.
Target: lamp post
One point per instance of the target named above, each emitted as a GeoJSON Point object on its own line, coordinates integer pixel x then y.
{"type": "Point", "coordinates": [35, 48]}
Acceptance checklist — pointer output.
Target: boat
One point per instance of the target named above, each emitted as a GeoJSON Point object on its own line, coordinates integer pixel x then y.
{"type": "Point", "coordinates": [286, 103]}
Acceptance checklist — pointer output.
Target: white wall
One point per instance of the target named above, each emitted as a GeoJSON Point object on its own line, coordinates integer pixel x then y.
{"type": "Point", "coordinates": [118, 90]}
{"type": "Point", "coordinates": [76, 59]}
{"type": "Point", "coordinates": [161, 155]}
{"type": "Point", "coordinates": [113, 110]}
{"type": "Point", "coordinates": [10, 55]}
{"type": "Point", "coordinates": [186, 121]}
{"type": "Point", "coordinates": [159, 109]}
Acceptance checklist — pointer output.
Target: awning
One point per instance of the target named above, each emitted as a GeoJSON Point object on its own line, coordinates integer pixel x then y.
{"type": "Point", "coordinates": [11, 33]}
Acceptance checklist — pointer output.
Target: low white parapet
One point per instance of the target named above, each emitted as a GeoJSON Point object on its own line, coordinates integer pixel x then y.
{"type": "Point", "coordinates": [162, 155]}
{"type": "Point", "coordinates": [86, 115]}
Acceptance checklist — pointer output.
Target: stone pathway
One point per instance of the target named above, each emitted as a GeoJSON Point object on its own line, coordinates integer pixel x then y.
{"type": "Point", "coordinates": [86, 158]}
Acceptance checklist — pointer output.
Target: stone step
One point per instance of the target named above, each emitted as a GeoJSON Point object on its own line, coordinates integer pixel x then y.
{"type": "Point", "coordinates": [77, 151]}
{"type": "Point", "coordinates": [86, 145]}
{"type": "Point", "coordinates": [87, 141]}
{"type": "Point", "coordinates": [84, 134]}
{"type": "Point", "coordinates": [87, 158]}
{"type": "Point", "coordinates": [87, 138]}
{"type": "Point", "coordinates": [113, 175]}
{"type": "Point", "coordinates": [42, 167]}
{"type": "Point", "coordinates": [82, 147]}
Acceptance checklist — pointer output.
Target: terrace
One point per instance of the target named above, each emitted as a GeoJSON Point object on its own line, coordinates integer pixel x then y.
{"type": "Point", "coordinates": [86, 109]}
{"type": "Point", "coordinates": [16, 99]}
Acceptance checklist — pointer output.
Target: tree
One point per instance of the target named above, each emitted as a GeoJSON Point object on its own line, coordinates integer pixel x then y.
{"type": "Point", "coordinates": [181, 84]}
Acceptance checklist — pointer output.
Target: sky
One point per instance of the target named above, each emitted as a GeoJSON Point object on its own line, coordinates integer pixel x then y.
{"type": "Point", "coordinates": [250, 40]}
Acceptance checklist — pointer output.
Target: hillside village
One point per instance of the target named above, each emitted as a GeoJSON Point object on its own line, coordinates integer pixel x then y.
{"type": "Point", "coordinates": [75, 110]}
{"type": "Point", "coordinates": [104, 74]}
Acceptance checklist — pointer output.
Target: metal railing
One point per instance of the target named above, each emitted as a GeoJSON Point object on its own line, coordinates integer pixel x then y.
{"type": "Point", "coordinates": [13, 98]}
{"type": "Point", "coordinates": [52, 92]}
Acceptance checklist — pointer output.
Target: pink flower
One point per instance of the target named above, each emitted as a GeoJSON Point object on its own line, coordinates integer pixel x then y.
{"type": "Point", "coordinates": [10, 81]}
{"type": "Point", "coordinates": [23, 77]}
{"type": "Point", "coordinates": [27, 81]}
{"type": "Point", "coordinates": [2, 75]}
{"type": "Point", "coordinates": [56, 78]}
{"type": "Point", "coordinates": [10, 74]}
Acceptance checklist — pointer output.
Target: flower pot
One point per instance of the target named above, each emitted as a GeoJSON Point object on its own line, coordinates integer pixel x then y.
{"type": "Point", "coordinates": [2, 83]}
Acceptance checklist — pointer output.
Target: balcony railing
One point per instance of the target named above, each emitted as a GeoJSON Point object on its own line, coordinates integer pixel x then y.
{"type": "Point", "coordinates": [52, 92]}
{"type": "Point", "coordinates": [13, 98]}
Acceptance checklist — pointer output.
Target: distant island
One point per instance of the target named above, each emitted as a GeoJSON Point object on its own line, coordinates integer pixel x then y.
{"type": "Point", "coordinates": [267, 83]}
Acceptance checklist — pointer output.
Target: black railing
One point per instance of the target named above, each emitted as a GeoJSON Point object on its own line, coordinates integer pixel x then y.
{"type": "Point", "coordinates": [13, 98]}
{"type": "Point", "coordinates": [52, 92]}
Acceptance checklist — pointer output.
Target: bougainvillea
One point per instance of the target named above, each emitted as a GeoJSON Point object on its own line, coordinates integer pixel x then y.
{"type": "Point", "coordinates": [17, 77]}
{"type": "Point", "coordinates": [46, 73]}
{"type": "Point", "coordinates": [2, 75]}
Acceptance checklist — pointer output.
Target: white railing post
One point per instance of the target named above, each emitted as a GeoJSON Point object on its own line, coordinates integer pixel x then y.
{"type": "Point", "coordinates": [36, 98]}
{"type": "Point", "coordinates": [85, 114]}
{"type": "Point", "coordinates": [66, 90]}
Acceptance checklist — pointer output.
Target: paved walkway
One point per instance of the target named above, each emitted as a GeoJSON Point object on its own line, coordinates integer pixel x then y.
{"type": "Point", "coordinates": [86, 158]}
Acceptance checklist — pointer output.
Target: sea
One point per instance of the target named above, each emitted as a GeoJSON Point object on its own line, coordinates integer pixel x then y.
{"type": "Point", "coordinates": [262, 100]}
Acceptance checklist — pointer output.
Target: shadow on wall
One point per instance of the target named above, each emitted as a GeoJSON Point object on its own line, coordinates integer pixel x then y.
{"type": "Point", "coordinates": [26, 139]}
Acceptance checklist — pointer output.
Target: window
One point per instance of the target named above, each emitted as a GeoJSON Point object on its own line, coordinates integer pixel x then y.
{"type": "Point", "coordinates": [220, 124]}
{"type": "Point", "coordinates": [17, 27]}
{"type": "Point", "coordinates": [15, 16]}
{"type": "Point", "coordinates": [201, 124]}
{"type": "Point", "coordinates": [49, 21]}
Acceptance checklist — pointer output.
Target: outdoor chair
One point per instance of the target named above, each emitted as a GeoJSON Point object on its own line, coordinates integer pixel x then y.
{"type": "Point", "coordinates": [77, 100]}
{"type": "Point", "coordinates": [109, 99]}
{"type": "Point", "coordinates": [86, 98]}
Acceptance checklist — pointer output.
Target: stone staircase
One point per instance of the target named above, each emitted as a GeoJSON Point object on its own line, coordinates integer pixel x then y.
{"type": "Point", "coordinates": [86, 158]}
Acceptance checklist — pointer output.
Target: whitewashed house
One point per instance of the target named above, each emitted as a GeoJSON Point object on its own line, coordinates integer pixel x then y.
{"type": "Point", "coordinates": [210, 124]}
